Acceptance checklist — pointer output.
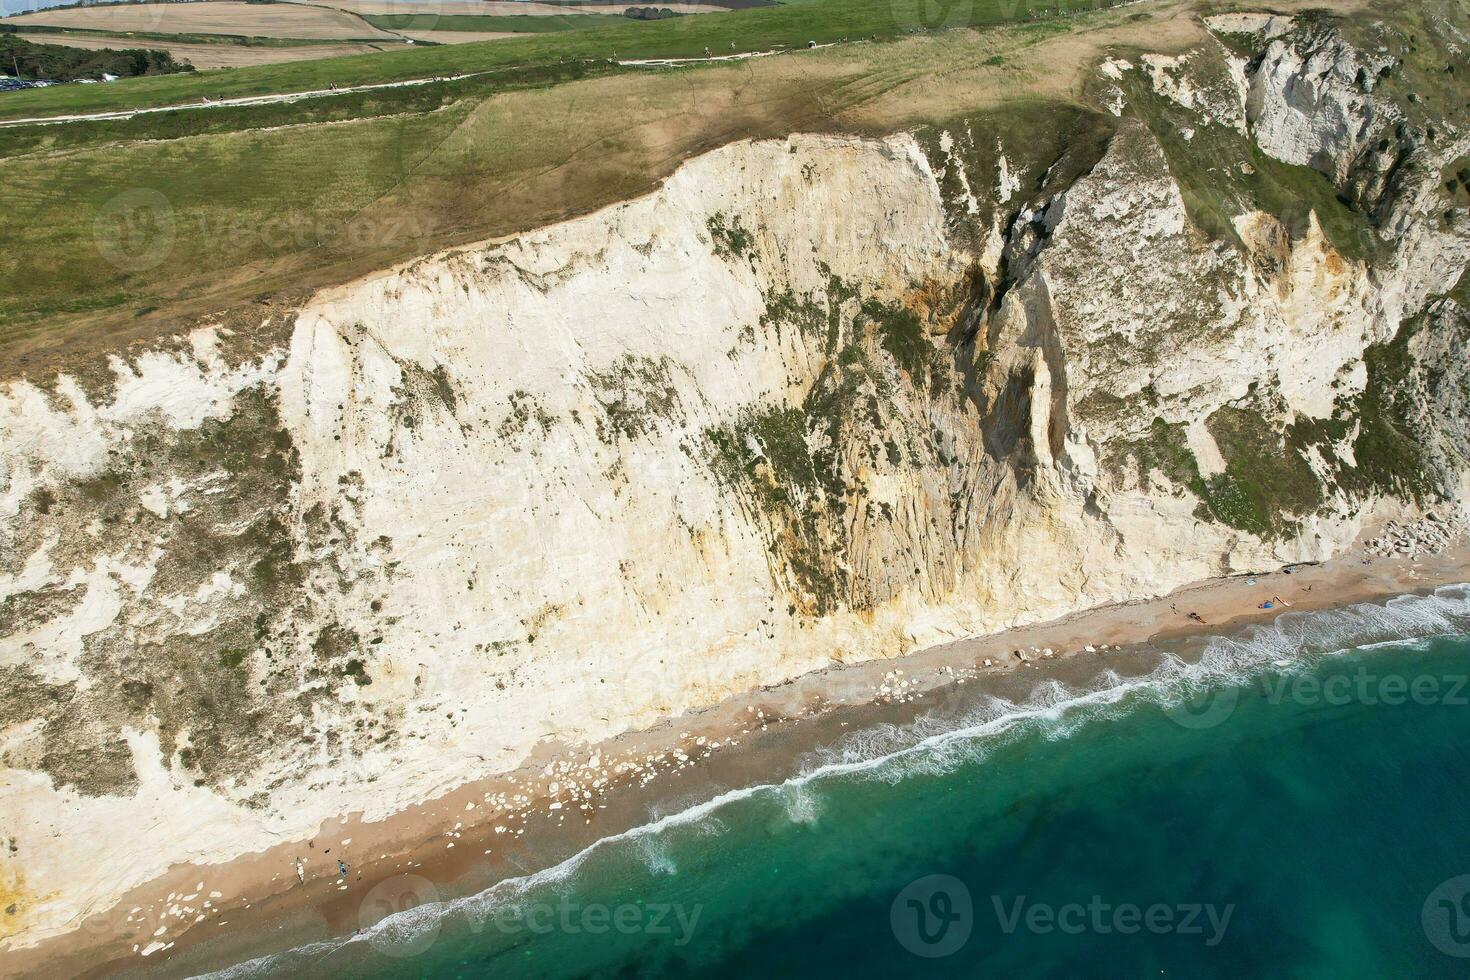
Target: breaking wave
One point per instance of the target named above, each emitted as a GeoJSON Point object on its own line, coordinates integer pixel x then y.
{"type": "Point", "coordinates": [934, 744]}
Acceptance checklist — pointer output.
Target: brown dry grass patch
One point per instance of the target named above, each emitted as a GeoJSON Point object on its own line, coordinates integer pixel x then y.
{"type": "Point", "coordinates": [284, 20]}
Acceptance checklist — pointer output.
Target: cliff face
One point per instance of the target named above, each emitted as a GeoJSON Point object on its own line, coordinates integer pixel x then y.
{"type": "Point", "coordinates": [814, 400]}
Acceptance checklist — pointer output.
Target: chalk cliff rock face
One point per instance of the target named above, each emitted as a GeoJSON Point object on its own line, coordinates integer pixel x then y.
{"type": "Point", "coordinates": [1310, 100]}
{"type": "Point", "coordinates": [814, 400]}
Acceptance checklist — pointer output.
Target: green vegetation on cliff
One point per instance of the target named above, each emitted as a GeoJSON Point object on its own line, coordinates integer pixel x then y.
{"type": "Point", "coordinates": [1044, 146]}
{"type": "Point", "coordinates": [1267, 482]}
{"type": "Point", "coordinates": [802, 471]}
{"type": "Point", "coordinates": [1222, 174]}
{"type": "Point", "coordinates": [1388, 449]}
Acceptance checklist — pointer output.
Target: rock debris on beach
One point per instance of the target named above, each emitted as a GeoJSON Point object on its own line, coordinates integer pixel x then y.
{"type": "Point", "coordinates": [1430, 535]}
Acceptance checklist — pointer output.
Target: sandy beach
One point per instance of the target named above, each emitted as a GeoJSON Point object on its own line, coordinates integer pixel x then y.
{"type": "Point", "coordinates": [197, 918]}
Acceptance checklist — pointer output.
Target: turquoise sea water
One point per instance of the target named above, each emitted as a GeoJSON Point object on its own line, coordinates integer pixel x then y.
{"type": "Point", "coordinates": [1216, 813]}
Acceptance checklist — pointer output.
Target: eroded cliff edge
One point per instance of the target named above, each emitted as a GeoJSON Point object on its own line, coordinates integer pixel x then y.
{"type": "Point", "coordinates": [816, 399]}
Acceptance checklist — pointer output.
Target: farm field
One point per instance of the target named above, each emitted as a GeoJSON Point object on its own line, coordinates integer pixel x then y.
{"type": "Point", "coordinates": [459, 37]}
{"type": "Point", "coordinates": [416, 24]}
{"type": "Point", "coordinates": [215, 55]}
{"type": "Point", "coordinates": [499, 8]}
{"type": "Point", "coordinates": [281, 20]}
{"type": "Point", "coordinates": [761, 29]}
{"type": "Point", "coordinates": [234, 35]}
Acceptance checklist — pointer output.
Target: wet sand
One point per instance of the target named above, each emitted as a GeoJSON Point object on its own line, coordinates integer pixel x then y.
{"type": "Point", "coordinates": [201, 918]}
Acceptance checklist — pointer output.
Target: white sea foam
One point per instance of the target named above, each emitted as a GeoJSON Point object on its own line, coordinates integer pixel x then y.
{"type": "Point", "coordinates": [801, 804]}
{"type": "Point", "coordinates": [933, 745]}
{"type": "Point", "coordinates": [655, 853]}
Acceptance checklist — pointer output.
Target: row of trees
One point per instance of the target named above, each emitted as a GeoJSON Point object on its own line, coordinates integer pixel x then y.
{"type": "Point", "coordinates": [57, 63]}
{"type": "Point", "coordinates": [649, 13]}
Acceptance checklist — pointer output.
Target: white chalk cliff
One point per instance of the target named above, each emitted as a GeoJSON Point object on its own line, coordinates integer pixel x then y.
{"type": "Point", "coordinates": [816, 399]}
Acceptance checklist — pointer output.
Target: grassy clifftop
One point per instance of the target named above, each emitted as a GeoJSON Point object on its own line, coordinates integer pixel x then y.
{"type": "Point", "coordinates": [126, 229]}
{"type": "Point", "coordinates": [757, 29]}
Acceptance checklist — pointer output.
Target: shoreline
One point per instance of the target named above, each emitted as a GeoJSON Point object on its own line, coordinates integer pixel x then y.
{"type": "Point", "coordinates": [199, 918]}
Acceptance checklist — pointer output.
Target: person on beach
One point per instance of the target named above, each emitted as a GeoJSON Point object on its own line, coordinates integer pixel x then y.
{"type": "Point", "coordinates": [341, 868]}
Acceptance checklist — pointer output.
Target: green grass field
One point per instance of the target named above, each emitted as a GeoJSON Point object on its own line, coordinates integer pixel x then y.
{"type": "Point", "coordinates": [757, 29]}
{"type": "Point", "coordinates": [508, 23]}
{"type": "Point", "coordinates": [232, 197]}
{"type": "Point", "coordinates": [22, 140]}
